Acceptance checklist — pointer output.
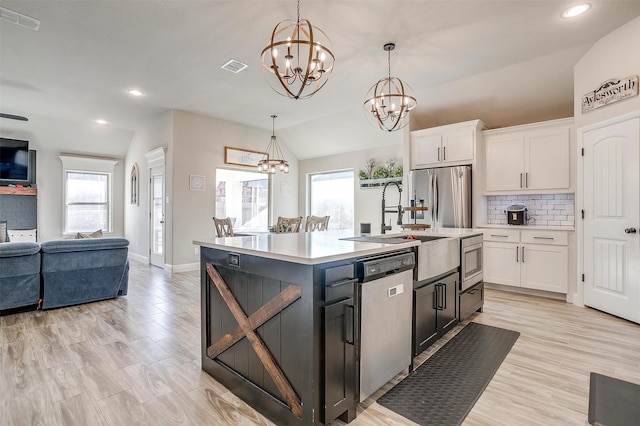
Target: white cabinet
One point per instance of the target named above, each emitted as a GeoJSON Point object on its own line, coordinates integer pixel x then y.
{"type": "Point", "coordinates": [536, 260]}
{"type": "Point", "coordinates": [444, 145]}
{"type": "Point", "coordinates": [528, 158]}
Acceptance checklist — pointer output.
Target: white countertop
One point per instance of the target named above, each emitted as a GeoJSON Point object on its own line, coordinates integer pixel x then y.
{"type": "Point", "coordinates": [312, 248]}
{"type": "Point", "coordinates": [307, 248]}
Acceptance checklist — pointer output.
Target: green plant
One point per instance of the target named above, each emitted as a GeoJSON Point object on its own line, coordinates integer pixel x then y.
{"type": "Point", "coordinates": [362, 174]}
{"type": "Point", "coordinates": [380, 173]}
{"type": "Point", "coordinates": [398, 172]}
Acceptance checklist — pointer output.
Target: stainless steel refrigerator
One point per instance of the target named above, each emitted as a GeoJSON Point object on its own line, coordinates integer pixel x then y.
{"type": "Point", "coordinates": [446, 191]}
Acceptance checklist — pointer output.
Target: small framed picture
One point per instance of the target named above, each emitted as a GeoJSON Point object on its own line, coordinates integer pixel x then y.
{"type": "Point", "coordinates": [196, 183]}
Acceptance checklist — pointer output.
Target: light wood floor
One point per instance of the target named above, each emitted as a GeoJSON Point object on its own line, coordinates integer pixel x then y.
{"type": "Point", "coordinates": [136, 360]}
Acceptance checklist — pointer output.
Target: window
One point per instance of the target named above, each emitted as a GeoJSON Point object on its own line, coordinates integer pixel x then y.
{"type": "Point", "coordinates": [87, 202]}
{"type": "Point", "coordinates": [87, 194]}
{"type": "Point", "coordinates": [244, 197]}
{"type": "Point", "coordinates": [331, 194]}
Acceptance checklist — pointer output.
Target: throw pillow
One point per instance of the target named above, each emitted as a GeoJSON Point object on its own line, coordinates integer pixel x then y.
{"type": "Point", "coordinates": [4, 234]}
{"type": "Point", "coordinates": [96, 234]}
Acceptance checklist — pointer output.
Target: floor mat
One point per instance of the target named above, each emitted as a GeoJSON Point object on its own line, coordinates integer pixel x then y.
{"type": "Point", "coordinates": [443, 390]}
{"type": "Point", "coordinates": [613, 402]}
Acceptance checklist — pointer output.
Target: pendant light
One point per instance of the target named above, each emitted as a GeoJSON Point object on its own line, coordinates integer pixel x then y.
{"type": "Point", "coordinates": [388, 103]}
{"type": "Point", "coordinates": [272, 158]}
{"type": "Point", "coordinates": [298, 58]}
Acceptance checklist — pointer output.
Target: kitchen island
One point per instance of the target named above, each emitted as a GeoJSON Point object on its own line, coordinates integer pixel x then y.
{"type": "Point", "coordinates": [280, 321]}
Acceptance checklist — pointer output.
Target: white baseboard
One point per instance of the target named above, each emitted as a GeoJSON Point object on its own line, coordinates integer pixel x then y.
{"type": "Point", "coordinates": [139, 258]}
{"type": "Point", "coordinates": [185, 267]}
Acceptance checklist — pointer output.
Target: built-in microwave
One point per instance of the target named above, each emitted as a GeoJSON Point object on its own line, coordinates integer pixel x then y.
{"type": "Point", "coordinates": [470, 262]}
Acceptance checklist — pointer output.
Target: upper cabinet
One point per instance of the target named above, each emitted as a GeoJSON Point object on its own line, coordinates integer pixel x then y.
{"type": "Point", "coordinates": [530, 158]}
{"type": "Point", "coordinates": [445, 145]}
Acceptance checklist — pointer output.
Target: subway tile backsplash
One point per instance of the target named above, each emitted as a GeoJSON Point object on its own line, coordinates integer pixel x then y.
{"type": "Point", "coordinates": [544, 209]}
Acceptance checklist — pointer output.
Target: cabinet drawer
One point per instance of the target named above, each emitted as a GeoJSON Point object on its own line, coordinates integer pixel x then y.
{"type": "Point", "coordinates": [339, 283]}
{"type": "Point", "coordinates": [503, 235]}
{"type": "Point", "coordinates": [556, 238]}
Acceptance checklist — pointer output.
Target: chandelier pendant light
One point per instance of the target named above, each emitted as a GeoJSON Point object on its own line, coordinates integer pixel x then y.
{"type": "Point", "coordinates": [298, 58]}
{"type": "Point", "coordinates": [272, 159]}
{"type": "Point", "coordinates": [388, 103]}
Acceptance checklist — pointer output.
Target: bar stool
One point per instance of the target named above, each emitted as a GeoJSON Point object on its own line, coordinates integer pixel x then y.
{"type": "Point", "coordinates": [316, 223]}
{"type": "Point", "coordinates": [288, 224]}
{"type": "Point", "coordinates": [224, 227]}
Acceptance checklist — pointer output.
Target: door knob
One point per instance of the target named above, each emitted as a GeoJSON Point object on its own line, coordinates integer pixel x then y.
{"type": "Point", "coordinates": [630, 231]}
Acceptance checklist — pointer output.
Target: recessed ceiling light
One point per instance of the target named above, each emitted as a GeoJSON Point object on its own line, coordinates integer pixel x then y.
{"type": "Point", "coordinates": [135, 92]}
{"type": "Point", "coordinates": [577, 10]}
{"type": "Point", "coordinates": [100, 121]}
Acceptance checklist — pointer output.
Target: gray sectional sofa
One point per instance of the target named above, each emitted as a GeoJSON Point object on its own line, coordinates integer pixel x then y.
{"type": "Point", "coordinates": [63, 272]}
{"type": "Point", "coordinates": [19, 274]}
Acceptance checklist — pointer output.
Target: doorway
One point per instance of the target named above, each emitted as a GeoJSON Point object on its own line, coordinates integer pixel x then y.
{"type": "Point", "coordinates": [156, 216]}
{"type": "Point", "coordinates": [157, 240]}
{"type": "Point", "coordinates": [611, 199]}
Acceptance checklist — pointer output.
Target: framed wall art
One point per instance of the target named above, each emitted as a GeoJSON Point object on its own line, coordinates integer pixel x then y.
{"type": "Point", "coordinates": [135, 185]}
{"type": "Point", "coordinates": [196, 183]}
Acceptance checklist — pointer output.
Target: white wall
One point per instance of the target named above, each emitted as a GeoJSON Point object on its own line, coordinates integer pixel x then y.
{"type": "Point", "coordinates": [50, 193]}
{"type": "Point", "coordinates": [197, 149]}
{"type": "Point", "coordinates": [367, 202]}
{"type": "Point", "coordinates": [616, 55]}
{"type": "Point", "coordinates": [157, 133]}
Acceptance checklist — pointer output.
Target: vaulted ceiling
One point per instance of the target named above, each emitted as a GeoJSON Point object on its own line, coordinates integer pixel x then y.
{"type": "Point", "coordinates": [506, 62]}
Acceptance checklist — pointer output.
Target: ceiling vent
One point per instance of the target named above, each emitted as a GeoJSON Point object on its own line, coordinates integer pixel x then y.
{"type": "Point", "coordinates": [234, 66]}
{"type": "Point", "coordinates": [19, 19]}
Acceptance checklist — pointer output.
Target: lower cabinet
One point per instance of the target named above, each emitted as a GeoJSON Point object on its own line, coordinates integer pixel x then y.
{"type": "Point", "coordinates": [340, 340]}
{"type": "Point", "coordinates": [339, 358]}
{"type": "Point", "coordinates": [537, 260]}
{"type": "Point", "coordinates": [435, 310]}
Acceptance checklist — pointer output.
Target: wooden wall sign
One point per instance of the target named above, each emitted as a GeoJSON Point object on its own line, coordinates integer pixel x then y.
{"type": "Point", "coordinates": [609, 92]}
{"type": "Point", "coordinates": [242, 157]}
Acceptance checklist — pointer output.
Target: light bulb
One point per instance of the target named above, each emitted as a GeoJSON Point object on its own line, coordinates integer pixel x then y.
{"type": "Point", "coordinates": [322, 56]}
{"type": "Point", "coordinates": [286, 168]}
{"type": "Point", "coordinates": [274, 53]}
{"type": "Point", "coordinates": [289, 41]}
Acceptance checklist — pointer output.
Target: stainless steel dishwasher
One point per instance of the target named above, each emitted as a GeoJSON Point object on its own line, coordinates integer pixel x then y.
{"type": "Point", "coordinates": [386, 285]}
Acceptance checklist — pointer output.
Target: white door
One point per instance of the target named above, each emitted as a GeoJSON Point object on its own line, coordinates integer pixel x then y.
{"type": "Point", "coordinates": [156, 216]}
{"type": "Point", "coordinates": [612, 215]}
{"type": "Point", "coordinates": [425, 150]}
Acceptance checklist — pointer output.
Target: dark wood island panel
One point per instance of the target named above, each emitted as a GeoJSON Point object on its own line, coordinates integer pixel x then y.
{"type": "Point", "coordinates": [264, 335]}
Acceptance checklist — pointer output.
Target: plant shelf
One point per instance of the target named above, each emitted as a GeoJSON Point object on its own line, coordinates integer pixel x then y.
{"type": "Point", "coordinates": [374, 183]}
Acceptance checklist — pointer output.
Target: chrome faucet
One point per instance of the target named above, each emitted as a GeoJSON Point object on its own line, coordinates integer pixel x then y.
{"type": "Point", "coordinates": [400, 211]}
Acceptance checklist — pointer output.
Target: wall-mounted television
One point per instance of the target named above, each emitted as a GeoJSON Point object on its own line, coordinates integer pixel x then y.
{"type": "Point", "coordinates": [17, 163]}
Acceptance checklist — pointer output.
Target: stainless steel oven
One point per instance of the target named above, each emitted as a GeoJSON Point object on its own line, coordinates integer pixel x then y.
{"type": "Point", "coordinates": [470, 262]}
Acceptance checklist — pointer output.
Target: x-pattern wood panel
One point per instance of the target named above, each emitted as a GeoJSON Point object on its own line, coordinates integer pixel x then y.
{"type": "Point", "coordinates": [246, 328]}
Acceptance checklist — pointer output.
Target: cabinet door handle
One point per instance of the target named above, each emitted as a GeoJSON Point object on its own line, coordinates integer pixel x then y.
{"type": "Point", "coordinates": [499, 235]}
{"type": "Point", "coordinates": [444, 153]}
{"type": "Point", "coordinates": [438, 154]}
{"type": "Point", "coordinates": [444, 296]}
{"type": "Point", "coordinates": [517, 253]}
{"type": "Point", "coordinates": [630, 230]}
{"type": "Point", "coordinates": [526, 180]}
{"type": "Point", "coordinates": [339, 283]}
{"type": "Point", "coordinates": [349, 324]}
{"type": "Point", "coordinates": [522, 254]}
{"type": "Point", "coordinates": [543, 238]}
{"type": "Point", "coordinates": [520, 180]}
